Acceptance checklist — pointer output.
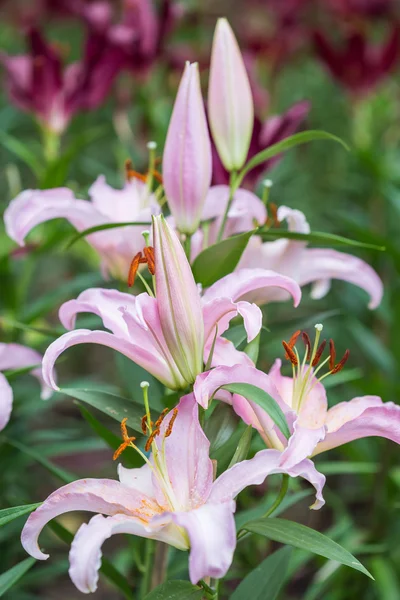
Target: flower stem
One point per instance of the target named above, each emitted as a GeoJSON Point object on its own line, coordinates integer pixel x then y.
{"type": "Point", "coordinates": [228, 206]}
{"type": "Point", "coordinates": [146, 580]}
{"type": "Point", "coordinates": [187, 244]}
{"type": "Point", "coordinates": [160, 563]}
{"type": "Point", "coordinates": [211, 593]}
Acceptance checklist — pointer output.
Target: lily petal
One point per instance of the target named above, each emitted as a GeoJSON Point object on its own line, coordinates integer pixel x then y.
{"type": "Point", "coordinates": [95, 495]}
{"type": "Point", "coordinates": [257, 469]}
{"type": "Point", "coordinates": [321, 264]}
{"type": "Point", "coordinates": [155, 364]}
{"type": "Point", "coordinates": [16, 356]}
{"type": "Point", "coordinates": [6, 401]}
{"type": "Point", "coordinates": [189, 466]}
{"type": "Point", "coordinates": [225, 354]}
{"type": "Point", "coordinates": [32, 207]}
{"type": "Point", "coordinates": [252, 285]}
{"type": "Point", "coordinates": [220, 311]}
{"type": "Point", "coordinates": [85, 554]}
{"type": "Point", "coordinates": [212, 534]}
{"type": "Point", "coordinates": [362, 417]}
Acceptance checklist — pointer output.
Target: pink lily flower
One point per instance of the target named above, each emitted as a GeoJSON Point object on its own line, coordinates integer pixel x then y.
{"type": "Point", "coordinates": [302, 398]}
{"type": "Point", "coordinates": [187, 162]}
{"type": "Point", "coordinates": [16, 356]}
{"type": "Point", "coordinates": [230, 101]}
{"type": "Point", "coordinates": [133, 203]}
{"type": "Point", "coordinates": [171, 334]}
{"type": "Point", "coordinates": [309, 265]}
{"type": "Point", "coordinates": [172, 498]}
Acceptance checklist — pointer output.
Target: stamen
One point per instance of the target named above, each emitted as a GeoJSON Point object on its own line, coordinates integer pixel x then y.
{"type": "Point", "coordinates": [341, 363]}
{"type": "Point", "coordinates": [157, 176]}
{"type": "Point", "coordinates": [130, 173]}
{"type": "Point", "coordinates": [151, 439]}
{"type": "Point", "coordinates": [133, 269]}
{"type": "Point", "coordinates": [149, 255]}
{"type": "Point", "coordinates": [318, 354]}
{"type": "Point", "coordinates": [126, 440]}
{"type": "Point", "coordinates": [274, 213]}
{"type": "Point", "coordinates": [171, 423]}
{"type": "Point", "coordinates": [144, 424]}
{"type": "Point", "coordinates": [161, 418]}
{"type": "Point", "coordinates": [292, 342]}
{"type": "Point", "coordinates": [307, 343]}
{"type": "Point", "coordinates": [332, 354]}
{"type": "Point", "coordinates": [290, 354]}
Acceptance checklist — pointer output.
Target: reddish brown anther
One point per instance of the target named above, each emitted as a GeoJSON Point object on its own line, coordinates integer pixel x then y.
{"type": "Point", "coordinates": [144, 424]}
{"type": "Point", "coordinates": [332, 354]}
{"type": "Point", "coordinates": [290, 355]}
{"type": "Point", "coordinates": [130, 173]}
{"type": "Point", "coordinates": [151, 439]}
{"type": "Point", "coordinates": [126, 440]}
{"type": "Point", "coordinates": [274, 213]}
{"type": "Point", "coordinates": [318, 354]}
{"type": "Point", "coordinates": [341, 363]}
{"type": "Point", "coordinates": [161, 418]}
{"type": "Point", "coordinates": [149, 255]}
{"type": "Point", "coordinates": [171, 423]}
{"type": "Point", "coordinates": [307, 343]}
{"type": "Point", "coordinates": [133, 269]}
{"type": "Point", "coordinates": [292, 342]}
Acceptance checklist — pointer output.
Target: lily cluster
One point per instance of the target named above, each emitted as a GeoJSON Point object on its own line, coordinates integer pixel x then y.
{"type": "Point", "coordinates": [176, 331]}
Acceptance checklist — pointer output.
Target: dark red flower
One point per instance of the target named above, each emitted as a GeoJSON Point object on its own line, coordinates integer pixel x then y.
{"type": "Point", "coordinates": [362, 8]}
{"type": "Point", "coordinates": [265, 134]}
{"type": "Point", "coordinates": [39, 83]}
{"type": "Point", "coordinates": [358, 65]}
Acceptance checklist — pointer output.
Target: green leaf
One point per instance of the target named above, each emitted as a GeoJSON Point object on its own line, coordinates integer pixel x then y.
{"type": "Point", "coordinates": [58, 472]}
{"type": "Point", "coordinates": [300, 536]}
{"type": "Point", "coordinates": [257, 395]}
{"type": "Point", "coordinates": [130, 457]}
{"type": "Point", "coordinates": [286, 144]}
{"type": "Point", "coordinates": [10, 577]}
{"type": "Point", "coordinates": [220, 426]}
{"type": "Point", "coordinates": [22, 151]}
{"type": "Point", "coordinates": [109, 403]}
{"type": "Point", "coordinates": [9, 514]}
{"type": "Point", "coordinates": [252, 349]}
{"type": "Point", "coordinates": [103, 227]}
{"type": "Point", "coordinates": [107, 569]}
{"type": "Point", "coordinates": [207, 270]}
{"type": "Point", "coordinates": [243, 446]}
{"type": "Point", "coordinates": [266, 580]}
{"type": "Point", "coordinates": [131, 375]}
{"type": "Point", "coordinates": [176, 590]}
{"type": "Point", "coordinates": [317, 237]}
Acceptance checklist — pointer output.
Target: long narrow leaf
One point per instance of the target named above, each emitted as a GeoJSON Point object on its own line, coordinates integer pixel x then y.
{"type": "Point", "coordinates": [257, 395]}
{"type": "Point", "coordinates": [9, 514]}
{"type": "Point", "coordinates": [266, 580]}
{"type": "Point", "coordinates": [104, 227]}
{"type": "Point", "coordinates": [286, 144]}
{"type": "Point", "coordinates": [318, 237]}
{"type": "Point", "coordinates": [300, 536]}
{"type": "Point", "coordinates": [10, 577]}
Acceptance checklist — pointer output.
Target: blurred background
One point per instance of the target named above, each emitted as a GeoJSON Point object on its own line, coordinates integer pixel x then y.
{"type": "Point", "coordinates": [105, 74]}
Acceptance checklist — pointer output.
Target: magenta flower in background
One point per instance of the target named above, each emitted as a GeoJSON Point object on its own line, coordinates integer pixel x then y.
{"type": "Point", "coordinates": [303, 400]}
{"type": "Point", "coordinates": [116, 247]}
{"type": "Point", "coordinates": [359, 65]}
{"type": "Point", "coordinates": [38, 82]}
{"type": "Point", "coordinates": [187, 161]}
{"type": "Point", "coordinates": [273, 130]}
{"type": "Point", "coordinates": [230, 101]}
{"type": "Point", "coordinates": [363, 8]}
{"type": "Point", "coordinates": [16, 356]}
{"type": "Point", "coordinates": [309, 265]}
{"type": "Point", "coordinates": [172, 498]}
{"type": "Point", "coordinates": [170, 335]}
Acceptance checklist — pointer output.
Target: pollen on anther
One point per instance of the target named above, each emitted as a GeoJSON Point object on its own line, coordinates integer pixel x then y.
{"type": "Point", "coordinates": [290, 354]}
{"type": "Point", "coordinates": [171, 423]}
{"type": "Point", "coordinates": [151, 439]}
{"type": "Point", "coordinates": [318, 354]}
{"type": "Point", "coordinates": [332, 354]}
{"type": "Point", "coordinates": [307, 343]}
{"type": "Point", "coordinates": [149, 255]}
{"type": "Point", "coordinates": [161, 418]}
{"type": "Point", "coordinates": [133, 269]}
{"type": "Point", "coordinates": [144, 424]}
{"type": "Point", "coordinates": [341, 363]}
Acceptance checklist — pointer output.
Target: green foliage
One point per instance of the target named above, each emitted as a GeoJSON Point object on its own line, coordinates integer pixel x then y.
{"type": "Point", "coordinates": [176, 590]}
{"type": "Point", "coordinates": [265, 581]}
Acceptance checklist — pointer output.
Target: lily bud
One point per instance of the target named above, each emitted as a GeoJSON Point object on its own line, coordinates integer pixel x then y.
{"type": "Point", "coordinates": [230, 101]}
{"type": "Point", "coordinates": [187, 162]}
{"type": "Point", "coordinates": [178, 300]}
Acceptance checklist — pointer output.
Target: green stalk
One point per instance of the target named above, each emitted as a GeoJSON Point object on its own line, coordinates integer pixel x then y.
{"type": "Point", "coordinates": [232, 190]}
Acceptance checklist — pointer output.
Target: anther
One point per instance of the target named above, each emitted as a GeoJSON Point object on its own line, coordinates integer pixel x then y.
{"type": "Point", "coordinates": [133, 269]}
{"type": "Point", "coordinates": [274, 213]}
{"type": "Point", "coordinates": [307, 343]}
{"type": "Point", "coordinates": [130, 173]}
{"type": "Point", "coordinates": [318, 354]}
{"type": "Point", "coordinates": [341, 363]}
{"type": "Point", "coordinates": [290, 354]}
{"type": "Point", "coordinates": [332, 354]}
{"type": "Point", "coordinates": [161, 418]}
{"type": "Point", "coordinates": [151, 439]}
{"type": "Point", "coordinates": [126, 440]}
{"type": "Point", "coordinates": [149, 255]}
{"type": "Point", "coordinates": [171, 423]}
{"type": "Point", "coordinates": [144, 424]}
